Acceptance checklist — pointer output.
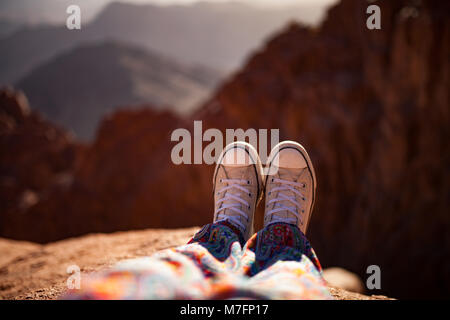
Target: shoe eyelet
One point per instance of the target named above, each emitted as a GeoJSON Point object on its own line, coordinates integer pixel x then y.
{"type": "Point", "coordinates": [249, 207]}
{"type": "Point", "coordinates": [269, 193]}
{"type": "Point", "coordinates": [272, 179]}
{"type": "Point", "coordinates": [303, 199]}
{"type": "Point", "coordinates": [304, 185]}
{"type": "Point", "coordinates": [303, 210]}
{"type": "Point", "coordinates": [250, 195]}
{"type": "Point", "coordinates": [220, 180]}
{"type": "Point", "coordinates": [248, 181]}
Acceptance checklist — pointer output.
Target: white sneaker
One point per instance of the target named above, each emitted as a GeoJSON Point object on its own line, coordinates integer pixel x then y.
{"type": "Point", "coordinates": [238, 186]}
{"type": "Point", "coordinates": [290, 186]}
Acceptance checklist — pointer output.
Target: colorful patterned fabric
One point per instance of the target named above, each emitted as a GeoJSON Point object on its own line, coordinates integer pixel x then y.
{"type": "Point", "coordinates": [276, 263]}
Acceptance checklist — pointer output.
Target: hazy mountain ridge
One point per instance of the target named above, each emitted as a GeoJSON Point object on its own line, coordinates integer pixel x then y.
{"type": "Point", "coordinates": [79, 87]}
{"type": "Point", "coordinates": [216, 35]}
{"type": "Point", "coordinates": [8, 27]}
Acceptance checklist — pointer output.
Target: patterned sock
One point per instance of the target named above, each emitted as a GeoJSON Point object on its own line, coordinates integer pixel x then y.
{"type": "Point", "coordinates": [218, 238]}
{"type": "Point", "coordinates": [280, 242]}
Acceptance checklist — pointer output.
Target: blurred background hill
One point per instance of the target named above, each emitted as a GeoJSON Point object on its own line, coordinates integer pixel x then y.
{"type": "Point", "coordinates": [218, 35]}
{"type": "Point", "coordinates": [208, 39]}
{"type": "Point", "coordinates": [371, 107]}
{"type": "Point", "coordinates": [83, 85]}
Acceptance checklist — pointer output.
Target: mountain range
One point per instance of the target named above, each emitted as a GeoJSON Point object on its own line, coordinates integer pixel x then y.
{"type": "Point", "coordinates": [166, 56]}
{"type": "Point", "coordinates": [79, 87]}
{"type": "Point", "coordinates": [217, 35]}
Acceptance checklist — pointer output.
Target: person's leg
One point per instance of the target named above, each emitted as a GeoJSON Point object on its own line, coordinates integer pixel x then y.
{"type": "Point", "coordinates": [218, 238]}
{"type": "Point", "coordinates": [278, 262]}
{"type": "Point", "coordinates": [282, 264]}
{"type": "Point", "coordinates": [280, 242]}
{"type": "Point", "coordinates": [279, 258]}
{"type": "Point", "coordinates": [217, 247]}
{"type": "Point", "coordinates": [237, 187]}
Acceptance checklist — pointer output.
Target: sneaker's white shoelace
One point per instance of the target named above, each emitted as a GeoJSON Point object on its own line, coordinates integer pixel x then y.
{"type": "Point", "coordinates": [233, 184]}
{"type": "Point", "coordinates": [286, 185]}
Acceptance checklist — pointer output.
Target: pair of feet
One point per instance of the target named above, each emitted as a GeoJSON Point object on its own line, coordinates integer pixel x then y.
{"type": "Point", "coordinates": [239, 184]}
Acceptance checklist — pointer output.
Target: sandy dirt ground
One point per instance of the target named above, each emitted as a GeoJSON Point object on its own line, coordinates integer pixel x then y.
{"type": "Point", "coordinates": [34, 271]}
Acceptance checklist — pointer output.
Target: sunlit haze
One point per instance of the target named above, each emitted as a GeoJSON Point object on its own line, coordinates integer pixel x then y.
{"type": "Point", "coordinates": [262, 3]}
{"type": "Point", "coordinates": [54, 11]}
